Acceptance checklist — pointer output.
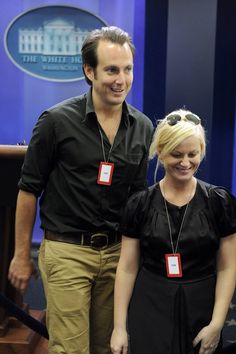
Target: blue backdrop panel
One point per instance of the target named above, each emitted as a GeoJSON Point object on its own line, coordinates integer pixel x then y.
{"type": "Point", "coordinates": [190, 61]}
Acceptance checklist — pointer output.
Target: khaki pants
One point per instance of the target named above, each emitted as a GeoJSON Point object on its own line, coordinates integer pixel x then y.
{"type": "Point", "coordinates": [78, 283]}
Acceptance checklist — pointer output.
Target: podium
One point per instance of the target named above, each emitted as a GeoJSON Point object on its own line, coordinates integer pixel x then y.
{"type": "Point", "coordinates": [14, 337]}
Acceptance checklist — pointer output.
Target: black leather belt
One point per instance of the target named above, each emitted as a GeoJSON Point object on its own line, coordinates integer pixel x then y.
{"type": "Point", "coordinates": [97, 240]}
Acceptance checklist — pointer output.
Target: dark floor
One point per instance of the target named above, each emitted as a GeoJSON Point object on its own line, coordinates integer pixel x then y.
{"type": "Point", "coordinates": [42, 347]}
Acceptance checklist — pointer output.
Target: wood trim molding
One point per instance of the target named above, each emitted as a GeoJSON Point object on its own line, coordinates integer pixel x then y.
{"type": "Point", "coordinates": [13, 151]}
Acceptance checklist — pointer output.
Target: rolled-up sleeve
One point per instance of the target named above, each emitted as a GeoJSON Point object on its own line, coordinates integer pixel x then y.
{"type": "Point", "coordinates": [40, 156]}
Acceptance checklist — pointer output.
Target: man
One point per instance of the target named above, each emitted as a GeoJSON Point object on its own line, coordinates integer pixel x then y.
{"type": "Point", "coordinates": [86, 155]}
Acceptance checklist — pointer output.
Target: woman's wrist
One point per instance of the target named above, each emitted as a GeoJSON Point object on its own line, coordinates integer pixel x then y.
{"type": "Point", "coordinates": [217, 324]}
{"type": "Point", "coordinates": [119, 327]}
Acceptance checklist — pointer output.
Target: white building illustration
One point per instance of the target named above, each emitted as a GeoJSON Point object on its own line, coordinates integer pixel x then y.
{"type": "Point", "coordinates": [56, 37]}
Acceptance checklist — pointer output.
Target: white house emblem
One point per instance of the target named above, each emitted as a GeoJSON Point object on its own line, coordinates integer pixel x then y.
{"type": "Point", "coordinates": [46, 42]}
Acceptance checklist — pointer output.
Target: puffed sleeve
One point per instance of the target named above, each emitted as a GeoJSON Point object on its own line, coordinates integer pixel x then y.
{"type": "Point", "coordinates": [223, 204]}
{"type": "Point", "coordinates": [134, 214]}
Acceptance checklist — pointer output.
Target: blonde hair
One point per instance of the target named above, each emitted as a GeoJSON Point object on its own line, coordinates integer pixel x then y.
{"type": "Point", "coordinates": [167, 137]}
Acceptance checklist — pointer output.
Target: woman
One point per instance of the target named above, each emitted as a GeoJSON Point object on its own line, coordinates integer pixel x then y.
{"type": "Point", "coordinates": [185, 232]}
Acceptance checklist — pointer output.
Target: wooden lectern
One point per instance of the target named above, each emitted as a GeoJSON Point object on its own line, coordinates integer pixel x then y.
{"type": "Point", "coordinates": [14, 337]}
{"type": "Point", "coordinates": [11, 159]}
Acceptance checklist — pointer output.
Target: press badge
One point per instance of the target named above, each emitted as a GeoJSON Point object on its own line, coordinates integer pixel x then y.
{"type": "Point", "coordinates": [105, 173]}
{"type": "Point", "coordinates": [173, 265]}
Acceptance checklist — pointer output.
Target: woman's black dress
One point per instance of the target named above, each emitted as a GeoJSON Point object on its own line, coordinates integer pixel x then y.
{"type": "Point", "coordinates": [166, 314]}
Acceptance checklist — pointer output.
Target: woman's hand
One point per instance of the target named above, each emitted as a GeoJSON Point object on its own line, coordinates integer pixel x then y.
{"type": "Point", "coordinates": [209, 337]}
{"type": "Point", "coordinates": [119, 341]}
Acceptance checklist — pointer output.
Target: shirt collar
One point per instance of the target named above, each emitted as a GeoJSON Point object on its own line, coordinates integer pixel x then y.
{"type": "Point", "coordinates": [89, 104]}
{"type": "Point", "coordinates": [126, 110]}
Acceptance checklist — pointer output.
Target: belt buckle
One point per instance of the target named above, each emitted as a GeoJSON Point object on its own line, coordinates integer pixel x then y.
{"type": "Point", "coordinates": [100, 236]}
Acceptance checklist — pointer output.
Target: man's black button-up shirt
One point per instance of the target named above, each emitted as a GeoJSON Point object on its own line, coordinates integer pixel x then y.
{"type": "Point", "coordinates": [62, 162]}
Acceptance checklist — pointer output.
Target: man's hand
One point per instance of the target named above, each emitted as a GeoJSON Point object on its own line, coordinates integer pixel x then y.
{"type": "Point", "coordinates": [20, 271]}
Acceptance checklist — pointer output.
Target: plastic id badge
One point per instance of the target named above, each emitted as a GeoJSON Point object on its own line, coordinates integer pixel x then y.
{"type": "Point", "coordinates": [173, 265]}
{"type": "Point", "coordinates": [105, 173]}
